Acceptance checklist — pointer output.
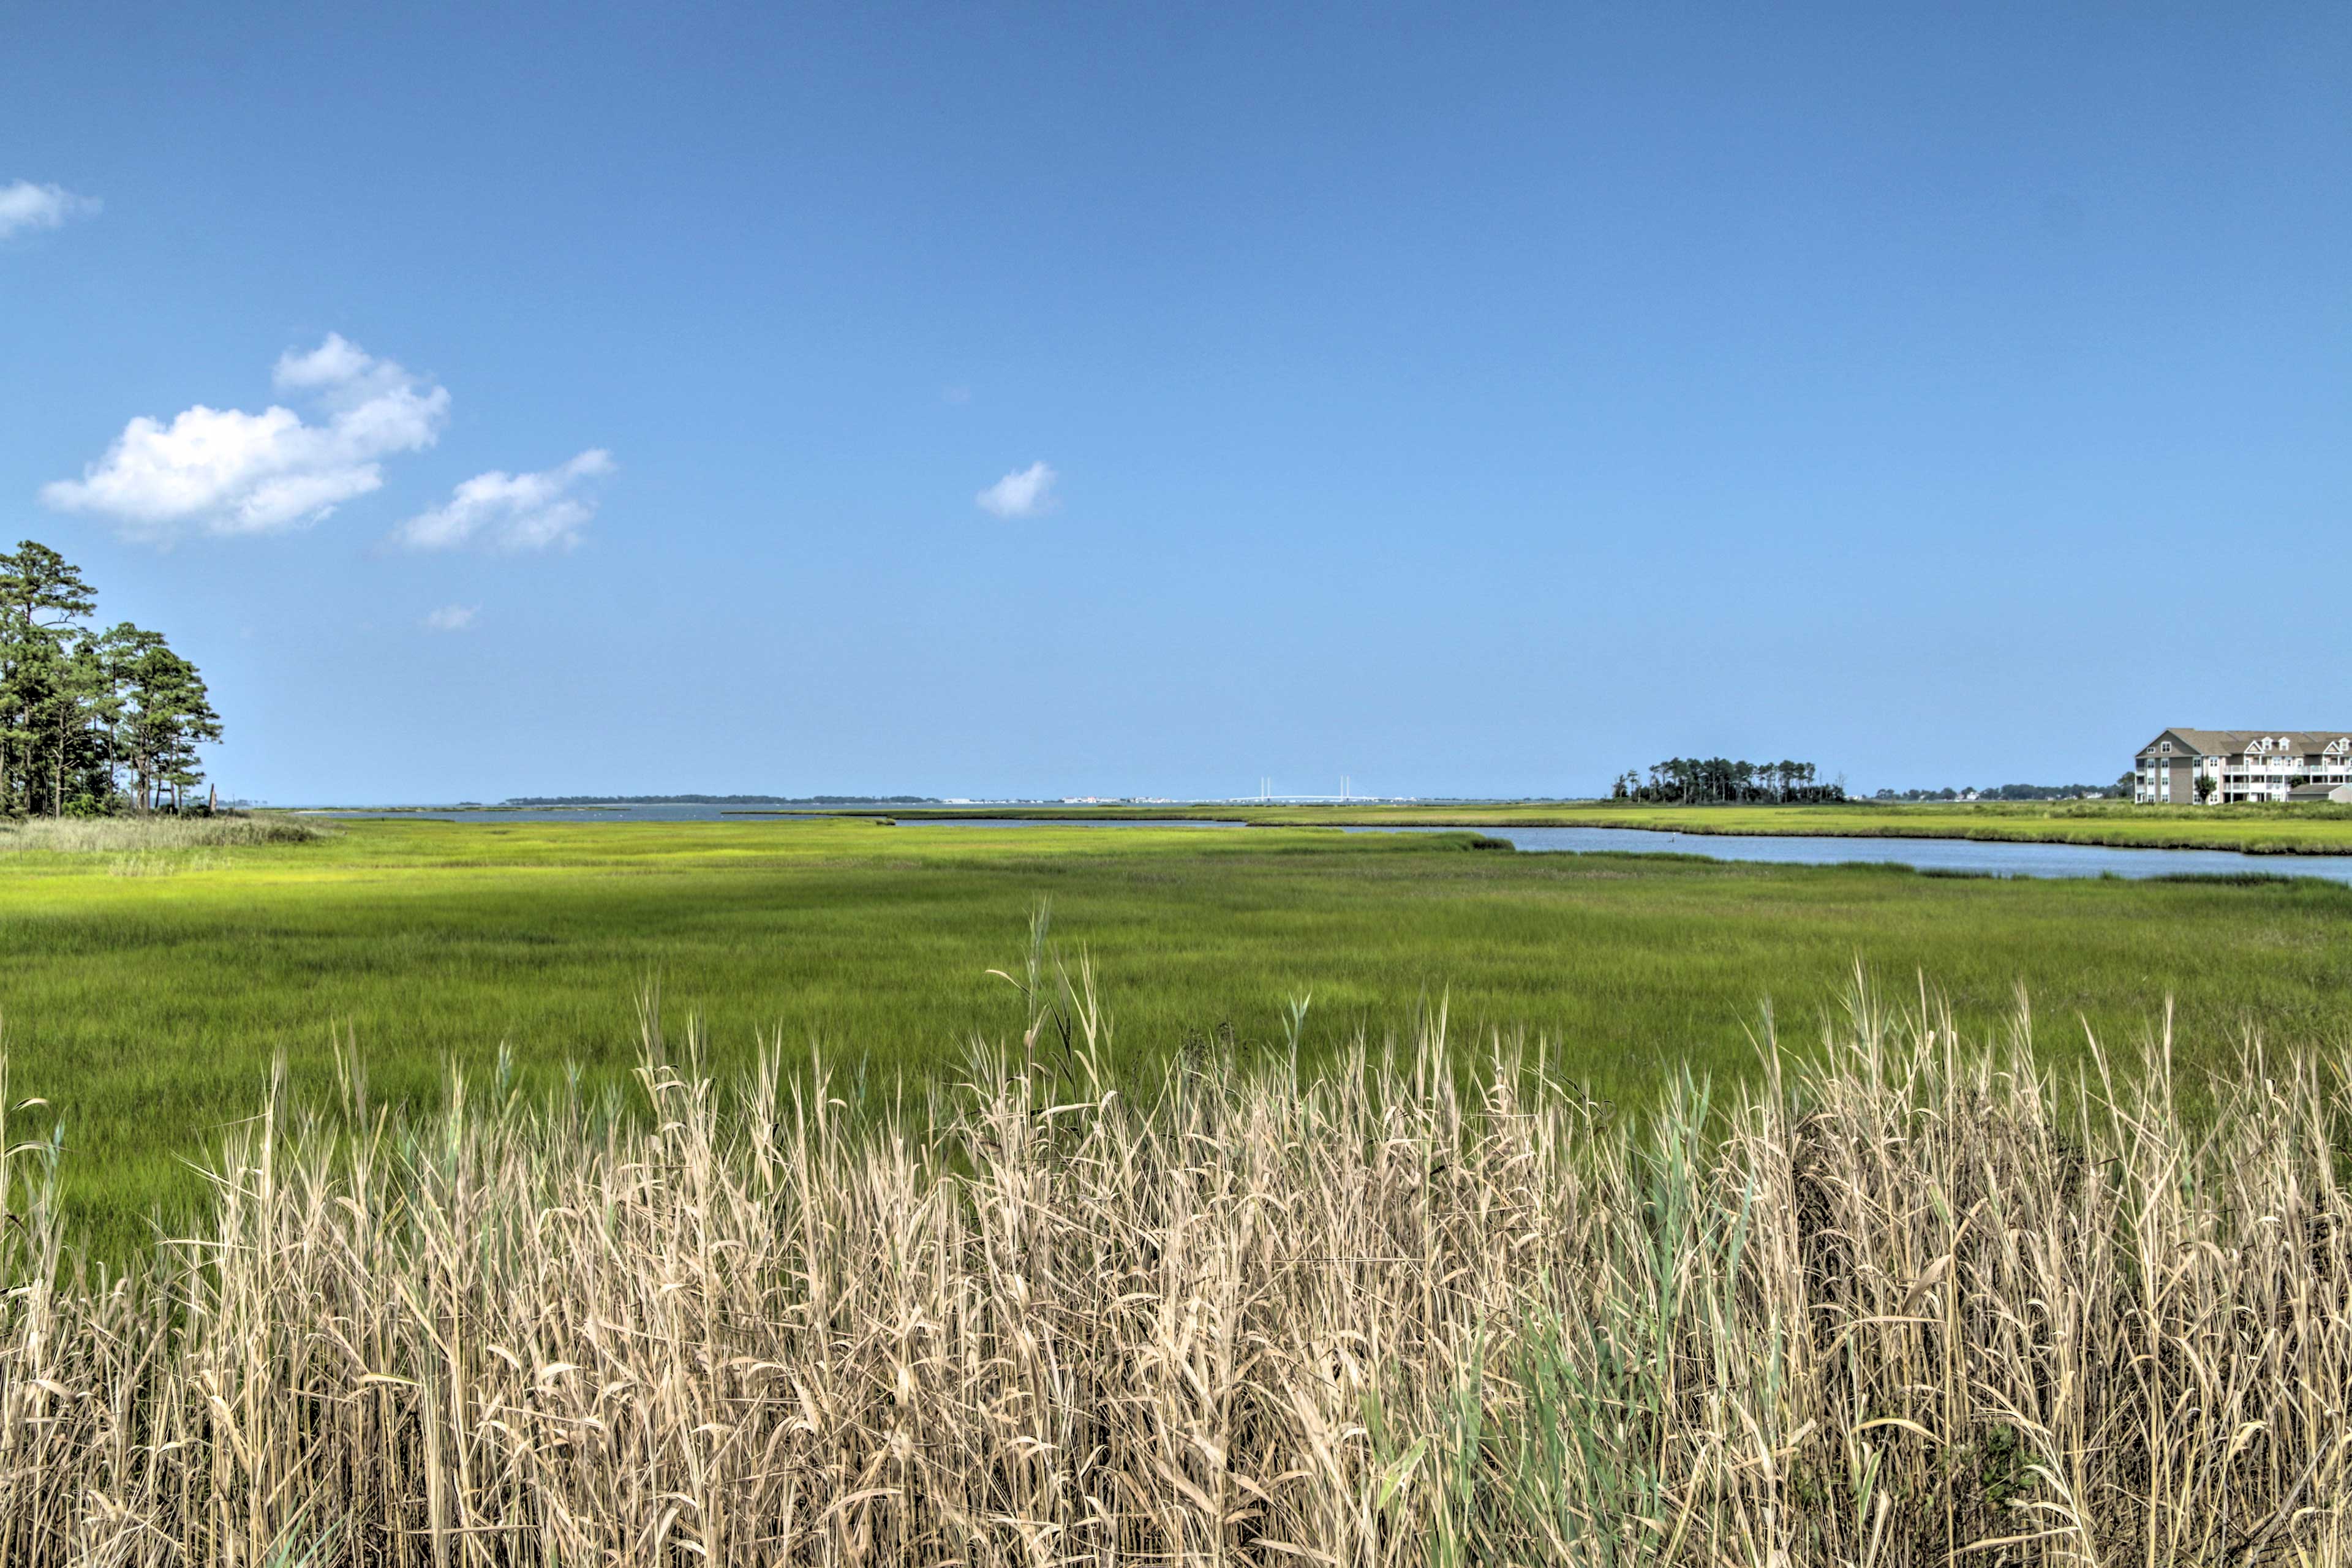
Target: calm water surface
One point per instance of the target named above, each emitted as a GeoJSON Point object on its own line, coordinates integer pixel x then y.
{"type": "Point", "coordinates": [1926, 854]}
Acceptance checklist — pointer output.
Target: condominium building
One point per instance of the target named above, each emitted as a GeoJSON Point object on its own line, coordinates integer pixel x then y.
{"type": "Point", "coordinates": [2244, 764]}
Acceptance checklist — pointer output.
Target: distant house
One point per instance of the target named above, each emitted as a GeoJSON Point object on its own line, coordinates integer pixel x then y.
{"type": "Point", "coordinates": [2244, 764]}
{"type": "Point", "coordinates": [2318, 794]}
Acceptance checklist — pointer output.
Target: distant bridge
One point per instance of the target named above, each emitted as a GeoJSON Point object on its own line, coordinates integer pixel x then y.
{"type": "Point", "coordinates": [1266, 795]}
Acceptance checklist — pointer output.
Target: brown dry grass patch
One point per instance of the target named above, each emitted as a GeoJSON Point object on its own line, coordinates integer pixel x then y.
{"type": "Point", "coordinates": [1896, 1304]}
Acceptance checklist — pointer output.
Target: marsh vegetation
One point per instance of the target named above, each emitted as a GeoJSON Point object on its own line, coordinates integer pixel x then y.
{"type": "Point", "coordinates": [1900, 1298]}
{"type": "Point", "coordinates": [145, 992]}
{"type": "Point", "coordinates": [150, 834]}
{"type": "Point", "coordinates": [346, 1224]}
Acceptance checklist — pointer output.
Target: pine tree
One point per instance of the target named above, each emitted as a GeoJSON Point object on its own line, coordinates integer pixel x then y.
{"type": "Point", "coordinates": [77, 708]}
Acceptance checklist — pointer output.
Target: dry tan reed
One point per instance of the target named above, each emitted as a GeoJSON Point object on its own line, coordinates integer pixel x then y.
{"type": "Point", "coordinates": [1901, 1302]}
{"type": "Point", "coordinates": [116, 835]}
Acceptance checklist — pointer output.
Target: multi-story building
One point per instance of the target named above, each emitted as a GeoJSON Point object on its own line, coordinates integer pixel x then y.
{"type": "Point", "coordinates": [2244, 764]}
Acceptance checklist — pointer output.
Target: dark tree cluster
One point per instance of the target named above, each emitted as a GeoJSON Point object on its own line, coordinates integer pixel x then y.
{"type": "Point", "coordinates": [2009, 791]}
{"type": "Point", "coordinates": [1718, 781]}
{"type": "Point", "coordinates": [91, 721]}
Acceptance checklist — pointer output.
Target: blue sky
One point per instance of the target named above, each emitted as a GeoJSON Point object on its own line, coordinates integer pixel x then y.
{"type": "Point", "coordinates": [1464, 403]}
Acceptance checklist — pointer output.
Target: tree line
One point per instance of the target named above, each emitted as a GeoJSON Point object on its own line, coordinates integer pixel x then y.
{"type": "Point", "coordinates": [92, 721]}
{"type": "Point", "coordinates": [1713, 781]}
{"type": "Point", "coordinates": [2012, 792]}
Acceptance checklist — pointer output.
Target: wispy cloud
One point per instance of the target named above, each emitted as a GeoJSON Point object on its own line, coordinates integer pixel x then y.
{"type": "Point", "coordinates": [25, 207]}
{"type": "Point", "coordinates": [513, 513]}
{"type": "Point", "coordinates": [452, 618]}
{"type": "Point", "coordinates": [1025, 492]}
{"type": "Point", "coordinates": [230, 472]}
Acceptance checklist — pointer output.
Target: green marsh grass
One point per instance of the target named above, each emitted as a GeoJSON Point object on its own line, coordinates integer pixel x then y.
{"type": "Point", "coordinates": [1899, 1297]}
{"type": "Point", "coordinates": [146, 1006]}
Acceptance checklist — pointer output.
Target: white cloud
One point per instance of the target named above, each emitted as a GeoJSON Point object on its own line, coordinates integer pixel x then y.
{"type": "Point", "coordinates": [1025, 492]}
{"type": "Point", "coordinates": [338, 362]}
{"type": "Point", "coordinates": [452, 618]}
{"type": "Point", "coordinates": [511, 512]}
{"type": "Point", "coordinates": [230, 472]}
{"type": "Point", "coordinates": [26, 205]}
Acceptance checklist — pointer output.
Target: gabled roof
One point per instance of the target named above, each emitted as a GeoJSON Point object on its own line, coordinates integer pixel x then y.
{"type": "Point", "coordinates": [2230, 742]}
{"type": "Point", "coordinates": [2217, 743]}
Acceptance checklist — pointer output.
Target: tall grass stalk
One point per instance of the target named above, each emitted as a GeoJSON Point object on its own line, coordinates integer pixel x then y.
{"type": "Point", "coordinates": [1902, 1301]}
{"type": "Point", "coordinates": [118, 835]}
